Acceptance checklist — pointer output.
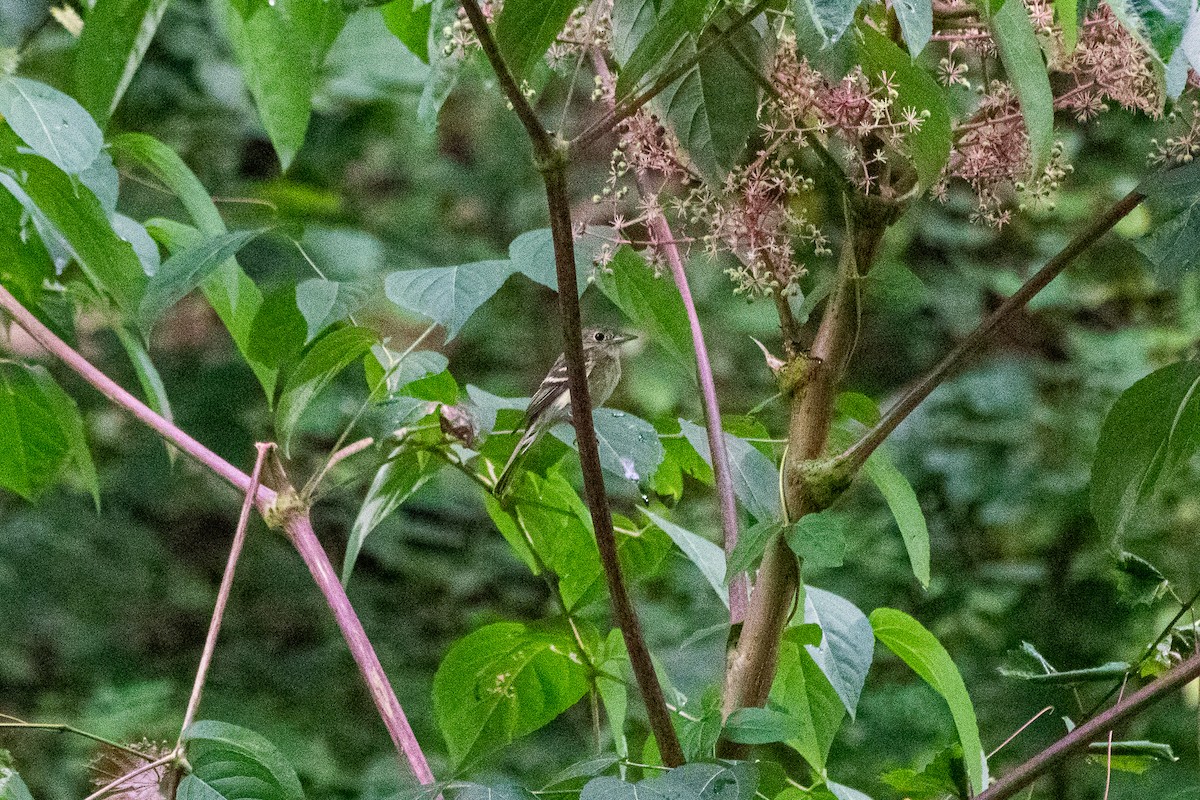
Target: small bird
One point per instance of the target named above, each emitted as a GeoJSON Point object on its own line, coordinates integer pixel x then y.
{"type": "Point", "coordinates": [551, 403]}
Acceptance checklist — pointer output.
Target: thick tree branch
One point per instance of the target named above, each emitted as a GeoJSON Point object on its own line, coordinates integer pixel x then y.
{"type": "Point", "coordinates": [300, 527]}
{"type": "Point", "coordinates": [627, 108]}
{"type": "Point", "coordinates": [1093, 730]}
{"type": "Point", "coordinates": [552, 161]}
{"type": "Point", "coordinates": [857, 455]}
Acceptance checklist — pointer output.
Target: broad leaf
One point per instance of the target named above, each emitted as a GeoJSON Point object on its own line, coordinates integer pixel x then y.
{"type": "Point", "coordinates": [443, 67]}
{"type": "Point", "coordinates": [280, 46]}
{"type": "Point", "coordinates": [232, 294]}
{"type": "Point", "coordinates": [831, 18]}
{"type": "Point", "coordinates": [1066, 14]}
{"type": "Point", "coordinates": [845, 792]}
{"type": "Point", "coordinates": [609, 788]}
{"type": "Point", "coordinates": [847, 645]}
{"type": "Point", "coordinates": [755, 478]}
{"type": "Point", "coordinates": [41, 432]}
{"type": "Point", "coordinates": [917, 90]}
{"type": "Point", "coordinates": [1152, 430]}
{"type": "Point", "coordinates": [629, 446]}
{"type": "Point", "coordinates": [916, 23]}
{"type": "Point", "coordinates": [819, 539]}
{"type": "Point", "coordinates": [504, 681]}
{"type": "Point", "coordinates": [1160, 24]}
{"type": "Point", "coordinates": [1173, 246]}
{"type": "Point", "coordinates": [925, 655]}
{"type": "Point", "coordinates": [752, 543]}
{"type": "Point", "coordinates": [646, 32]}
{"type": "Point", "coordinates": [349, 263]}
{"type": "Point", "coordinates": [185, 271]}
{"type": "Point", "coordinates": [328, 356]}
{"type": "Point", "coordinates": [708, 557]}
{"type": "Point", "coordinates": [532, 254]}
{"type": "Point", "coordinates": [761, 726]}
{"type": "Point", "coordinates": [902, 501]}
{"type": "Point", "coordinates": [73, 219]}
{"type": "Point", "coordinates": [731, 780]}
{"type": "Point", "coordinates": [1026, 70]}
{"type": "Point", "coordinates": [525, 30]}
{"type": "Point", "coordinates": [651, 303]}
{"type": "Point", "coordinates": [585, 769]}
{"type": "Point", "coordinates": [805, 695]}
{"type": "Point", "coordinates": [235, 764]}
{"type": "Point", "coordinates": [503, 791]}
{"type": "Point", "coordinates": [713, 107]}
{"type": "Point", "coordinates": [409, 20]}
{"type": "Point", "coordinates": [398, 479]}
{"type": "Point", "coordinates": [51, 123]}
{"type": "Point", "coordinates": [110, 50]}
{"type": "Point", "coordinates": [447, 295]}
{"type": "Point", "coordinates": [11, 785]}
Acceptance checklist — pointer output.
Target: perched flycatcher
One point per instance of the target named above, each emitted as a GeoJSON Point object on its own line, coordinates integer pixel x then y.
{"type": "Point", "coordinates": [551, 403]}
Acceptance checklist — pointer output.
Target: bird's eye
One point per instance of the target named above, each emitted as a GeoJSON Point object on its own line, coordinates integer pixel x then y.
{"type": "Point", "coordinates": [598, 336]}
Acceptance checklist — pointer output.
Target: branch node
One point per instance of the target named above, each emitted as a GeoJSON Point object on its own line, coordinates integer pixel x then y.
{"type": "Point", "coordinates": [553, 157]}
{"type": "Point", "coordinates": [822, 481]}
{"type": "Point", "coordinates": [287, 504]}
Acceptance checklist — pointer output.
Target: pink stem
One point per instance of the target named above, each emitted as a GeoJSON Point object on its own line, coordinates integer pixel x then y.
{"type": "Point", "coordinates": [299, 529]}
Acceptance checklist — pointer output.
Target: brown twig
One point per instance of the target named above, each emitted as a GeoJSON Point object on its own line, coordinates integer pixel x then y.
{"type": "Point", "coordinates": [552, 160]}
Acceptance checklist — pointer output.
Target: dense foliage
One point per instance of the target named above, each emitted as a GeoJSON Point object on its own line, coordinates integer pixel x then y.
{"type": "Point", "coordinates": [321, 224]}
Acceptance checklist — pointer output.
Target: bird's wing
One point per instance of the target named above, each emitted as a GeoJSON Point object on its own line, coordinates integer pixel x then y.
{"type": "Point", "coordinates": [552, 388]}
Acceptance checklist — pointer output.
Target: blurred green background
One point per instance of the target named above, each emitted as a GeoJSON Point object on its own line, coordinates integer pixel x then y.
{"type": "Point", "coordinates": [102, 617]}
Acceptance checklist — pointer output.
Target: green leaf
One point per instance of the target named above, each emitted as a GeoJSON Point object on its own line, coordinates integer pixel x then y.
{"type": "Point", "coordinates": [731, 780]}
{"type": "Point", "coordinates": [230, 292]}
{"type": "Point", "coordinates": [902, 501]}
{"type": "Point", "coordinates": [143, 244]}
{"type": "Point", "coordinates": [280, 46]}
{"type": "Point", "coordinates": [53, 125]}
{"type": "Point", "coordinates": [845, 792]}
{"type": "Point", "coordinates": [847, 644]}
{"type": "Point", "coordinates": [646, 32]}
{"type": "Point", "coordinates": [613, 688]}
{"type": "Point", "coordinates": [1066, 14]}
{"type": "Point", "coordinates": [1173, 246]}
{"type": "Point", "coordinates": [349, 263]}
{"type": "Point", "coordinates": [751, 545]}
{"type": "Point", "coordinates": [447, 295]}
{"type": "Point", "coordinates": [943, 776]}
{"type": "Point", "coordinates": [1158, 751]}
{"type": "Point", "coordinates": [504, 681]}
{"type": "Point", "coordinates": [41, 433]}
{"type": "Point", "coordinates": [1139, 581]}
{"type": "Point", "coordinates": [153, 388]}
{"type": "Point", "coordinates": [11, 785]}
{"type": "Point", "coordinates": [328, 356]}
{"type": "Point", "coordinates": [760, 726]}
{"type": "Point", "coordinates": [918, 648]}
{"type": "Point", "coordinates": [708, 557]}
{"type": "Point", "coordinates": [398, 479]}
{"type": "Point", "coordinates": [279, 330]}
{"type": "Point", "coordinates": [915, 89]}
{"type": "Point", "coordinates": [584, 769]}
{"type": "Point", "coordinates": [607, 787]}
{"type": "Point", "coordinates": [1026, 70]}
{"type": "Point", "coordinates": [1153, 428]}
{"type": "Point", "coordinates": [185, 271]}
{"type": "Point", "coordinates": [410, 25]}
{"type": "Point", "coordinates": [503, 791]}
{"type": "Point", "coordinates": [755, 478]}
{"type": "Point", "coordinates": [651, 303]}
{"type": "Point", "coordinates": [74, 218]}
{"type": "Point", "coordinates": [532, 254]}
{"type": "Point", "coordinates": [234, 763]}
{"type": "Point", "coordinates": [916, 23]}
{"type": "Point", "coordinates": [1105, 673]}
{"type": "Point", "coordinates": [713, 107]}
{"type": "Point", "coordinates": [114, 40]}
{"type": "Point", "coordinates": [831, 18]}
{"type": "Point", "coordinates": [1159, 24]}
{"type": "Point", "coordinates": [526, 29]}
{"type": "Point", "coordinates": [24, 263]}
{"type": "Point", "coordinates": [805, 694]}
{"type": "Point", "coordinates": [629, 446]}
{"type": "Point", "coordinates": [819, 539]}
{"type": "Point", "coordinates": [443, 67]}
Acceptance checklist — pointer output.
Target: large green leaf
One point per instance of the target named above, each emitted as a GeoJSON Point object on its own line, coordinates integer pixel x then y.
{"type": "Point", "coordinates": [761, 726]}
{"type": "Point", "coordinates": [532, 254]}
{"type": "Point", "coordinates": [41, 432]}
{"type": "Point", "coordinates": [114, 40]}
{"type": "Point", "coordinates": [504, 681]}
{"type": "Point", "coordinates": [409, 22]}
{"type": "Point", "coordinates": [232, 763]}
{"type": "Point", "coordinates": [447, 295]}
{"type": "Point", "coordinates": [1152, 430]}
{"type": "Point", "coordinates": [349, 263]}
{"type": "Point", "coordinates": [819, 538]}
{"type": "Point", "coordinates": [526, 29]}
{"type": "Point", "coordinates": [1173, 246]}
{"type": "Point", "coordinates": [51, 123]}
{"type": "Point", "coordinates": [831, 18]}
{"type": "Point", "coordinates": [280, 45]}
{"type": "Point", "coordinates": [398, 479]}
{"type": "Point", "coordinates": [443, 67]}
{"type": "Point", "coordinates": [11, 785]}
{"type": "Point", "coordinates": [645, 32]}
{"type": "Point", "coordinates": [24, 263]}
{"type": "Point", "coordinates": [650, 302]}
{"type": "Point", "coordinates": [925, 655]}
{"type": "Point", "coordinates": [729, 780]}
{"type": "Point", "coordinates": [847, 644]}
{"type": "Point", "coordinates": [805, 694]}
{"type": "Point", "coordinates": [232, 294]}
{"type": "Point", "coordinates": [74, 218]}
{"type": "Point", "coordinates": [915, 89]}
{"type": "Point", "coordinates": [629, 446]}
{"type": "Point", "coordinates": [1026, 69]}
{"type": "Point", "coordinates": [607, 787]}
{"type": "Point", "coordinates": [707, 556]}
{"type": "Point", "coordinates": [902, 501]}
{"type": "Point", "coordinates": [755, 478]}
{"type": "Point", "coordinates": [916, 23]}
{"type": "Point", "coordinates": [713, 107]}
{"type": "Point", "coordinates": [328, 356]}
{"type": "Point", "coordinates": [185, 270]}
{"type": "Point", "coordinates": [1160, 24]}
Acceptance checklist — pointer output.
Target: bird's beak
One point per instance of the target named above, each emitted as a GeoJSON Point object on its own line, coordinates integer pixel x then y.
{"type": "Point", "coordinates": [621, 338]}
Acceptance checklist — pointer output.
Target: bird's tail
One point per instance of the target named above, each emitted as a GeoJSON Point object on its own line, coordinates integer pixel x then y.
{"type": "Point", "coordinates": [514, 460]}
